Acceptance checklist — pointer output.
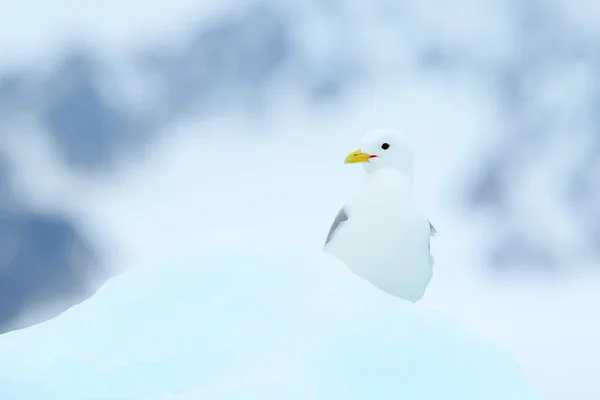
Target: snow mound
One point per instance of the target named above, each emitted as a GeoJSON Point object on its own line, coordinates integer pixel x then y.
{"type": "Point", "coordinates": [250, 325]}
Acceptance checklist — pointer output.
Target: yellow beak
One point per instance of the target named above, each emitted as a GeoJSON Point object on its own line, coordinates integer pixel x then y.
{"type": "Point", "coordinates": [357, 157]}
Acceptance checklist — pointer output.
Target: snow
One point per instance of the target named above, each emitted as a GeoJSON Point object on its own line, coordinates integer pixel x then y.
{"type": "Point", "coordinates": [250, 323]}
{"type": "Point", "coordinates": [548, 325]}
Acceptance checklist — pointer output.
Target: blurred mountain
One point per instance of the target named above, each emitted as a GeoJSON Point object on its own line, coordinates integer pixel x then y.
{"type": "Point", "coordinates": [539, 182]}
{"type": "Point", "coordinates": [228, 62]}
{"type": "Point", "coordinates": [43, 259]}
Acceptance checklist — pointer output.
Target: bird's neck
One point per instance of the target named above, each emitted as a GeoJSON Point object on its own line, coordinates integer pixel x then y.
{"type": "Point", "coordinates": [391, 177]}
{"type": "Point", "coordinates": [377, 169]}
{"type": "Point", "coordinates": [381, 191]}
{"type": "Point", "coordinates": [385, 186]}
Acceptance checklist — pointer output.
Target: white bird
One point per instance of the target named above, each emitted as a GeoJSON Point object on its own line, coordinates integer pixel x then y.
{"type": "Point", "coordinates": [380, 233]}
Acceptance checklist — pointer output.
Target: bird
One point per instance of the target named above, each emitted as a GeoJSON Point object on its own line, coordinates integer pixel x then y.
{"type": "Point", "coordinates": [381, 233]}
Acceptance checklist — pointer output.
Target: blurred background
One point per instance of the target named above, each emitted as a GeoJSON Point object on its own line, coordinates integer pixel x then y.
{"type": "Point", "coordinates": [132, 131]}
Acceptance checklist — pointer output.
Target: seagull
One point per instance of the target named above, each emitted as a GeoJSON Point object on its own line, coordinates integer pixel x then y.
{"type": "Point", "coordinates": [380, 233]}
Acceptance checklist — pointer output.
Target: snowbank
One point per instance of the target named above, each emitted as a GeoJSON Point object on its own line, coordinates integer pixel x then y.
{"type": "Point", "coordinates": [251, 325]}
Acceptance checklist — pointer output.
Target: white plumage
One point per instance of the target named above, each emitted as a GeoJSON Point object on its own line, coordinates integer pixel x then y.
{"type": "Point", "coordinates": [380, 233]}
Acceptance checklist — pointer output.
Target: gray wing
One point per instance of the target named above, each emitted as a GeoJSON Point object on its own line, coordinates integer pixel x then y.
{"type": "Point", "coordinates": [432, 232]}
{"type": "Point", "coordinates": [339, 218]}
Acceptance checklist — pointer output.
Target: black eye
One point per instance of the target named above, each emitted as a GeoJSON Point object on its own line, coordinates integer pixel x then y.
{"type": "Point", "coordinates": [385, 146]}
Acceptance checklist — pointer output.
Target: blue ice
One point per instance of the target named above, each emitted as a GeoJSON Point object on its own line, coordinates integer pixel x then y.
{"type": "Point", "coordinates": [249, 324]}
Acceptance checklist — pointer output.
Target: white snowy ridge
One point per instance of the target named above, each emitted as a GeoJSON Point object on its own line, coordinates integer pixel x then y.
{"type": "Point", "coordinates": [252, 325]}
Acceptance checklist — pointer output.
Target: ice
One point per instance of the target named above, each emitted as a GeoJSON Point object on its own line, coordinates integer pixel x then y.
{"type": "Point", "coordinates": [250, 323]}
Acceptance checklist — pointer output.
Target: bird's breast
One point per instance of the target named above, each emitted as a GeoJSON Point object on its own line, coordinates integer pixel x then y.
{"type": "Point", "coordinates": [385, 238]}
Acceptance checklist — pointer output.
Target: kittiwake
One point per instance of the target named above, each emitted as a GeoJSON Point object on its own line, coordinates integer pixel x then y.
{"type": "Point", "coordinates": [380, 233]}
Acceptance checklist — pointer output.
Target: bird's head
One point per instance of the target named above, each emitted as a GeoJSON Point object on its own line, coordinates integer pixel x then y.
{"type": "Point", "coordinates": [383, 148]}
